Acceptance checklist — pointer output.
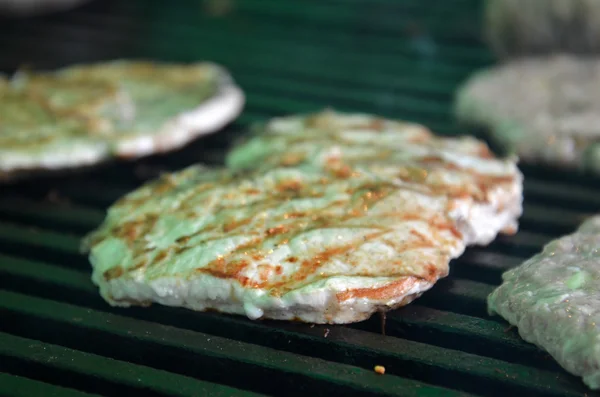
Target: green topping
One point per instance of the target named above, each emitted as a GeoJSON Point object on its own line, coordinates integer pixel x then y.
{"type": "Point", "coordinates": [577, 280]}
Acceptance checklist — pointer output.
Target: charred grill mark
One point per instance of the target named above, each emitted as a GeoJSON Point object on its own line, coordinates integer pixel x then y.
{"type": "Point", "coordinates": [228, 270]}
{"type": "Point", "coordinates": [252, 191]}
{"type": "Point", "coordinates": [310, 266]}
{"type": "Point", "coordinates": [132, 230]}
{"type": "Point", "coordinates": [412, 174]}
{"type": "Point", "coordinates": [294, 215]}
{"type": "Point", "coordinates": [113, 273]}
{"type": "Point", "coordinates": [323, 218]}
{"type": "Point", "coordinates": [161, 256]}
{"type": "Point", "coordinates": [292, 186]}
{"type": "Point", "coordinates": [224, 268]}
{"type": "Point", "coordinates": [420, 236]}
{"type": "Point", "coordinates": [478, 189]}
{"type": "Point", "coordinates": [376, 125]}
{"type": "Point", "coordinates": [138, 265]}
{"type": "Point", "coordinates": [432, 273]}
{"type": "Point", "coordinates": [342, 171]}
{"type": "Point", "coordinates": [365, 197]}
{"type": "Point", "coordinates": [292, 159]}
{"type": "Point", "coordinates": [484, 152]}
{"type": "Point", "coordinates": [183, 240]}
{"type": "Point", "coordinates": [281, 229]}
{"type": "Point", "coordinates": [232, 225]}
{"type": "Point", "coordinates": [393, 289]}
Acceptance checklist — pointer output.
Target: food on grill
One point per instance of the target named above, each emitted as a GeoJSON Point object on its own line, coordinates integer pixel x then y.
{"type": "Point", "coordinates": [319, 244]}
{"type": "Point", "coordinates": [553, 299]}
{"type": "Point", "coordinates": [461, 168]}
{"type": "Point", "coordinates": [86, 114]}
{"type": "Point", "coordinates": [380, 369]}
{"type": "Point", "coordinates": [544, 109]}
{"type": "Point", "coordinates": [288, 243]}
{"type": "Point", "coordinates": [516, 28]}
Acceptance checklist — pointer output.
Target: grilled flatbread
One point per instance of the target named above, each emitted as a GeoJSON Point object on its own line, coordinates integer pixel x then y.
{"type": "Point", "coordinates": [460, 168]}
{"type": "Point", "coordinates": [289, 243]}
{"type": "Point", "coordinates": [554, 300]}
{"type": "Point", "coordinates": [87, 114]}
{"type": "Point", "coordinates": [545, 110]}
{"type": "Point", "coordinates": [329, 242]}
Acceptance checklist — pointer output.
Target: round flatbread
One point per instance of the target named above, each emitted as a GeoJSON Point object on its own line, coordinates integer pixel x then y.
{"type": "Point", "coordinates": [516, 28]}
{"type": "Point", "coordinates": [545, 110]}
{"type": "Point", "coordinates": [87, 114]}
{"type": "Point", "coordinates": [458, 167]}
{"type": "Point", "coordinates": [324, 218]}
{"type": "Point", "coordinates": [288, 243]}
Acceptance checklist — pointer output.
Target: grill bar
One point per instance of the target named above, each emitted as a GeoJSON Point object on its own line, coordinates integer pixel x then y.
{"type": "Point", "coordinates": [17, 386]}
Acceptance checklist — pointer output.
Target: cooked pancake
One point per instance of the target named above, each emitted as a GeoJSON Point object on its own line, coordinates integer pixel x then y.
{"type": "Point", "coordinates": [115, 109]}
{"type": "Point", "coordinates": [408, 153]}
{"type": "Point", "coordinates": [545, 110]}
{"type": "Point", "coordinates": [289, 243]}
{"type": "Point", "coordinates": [554, 300]}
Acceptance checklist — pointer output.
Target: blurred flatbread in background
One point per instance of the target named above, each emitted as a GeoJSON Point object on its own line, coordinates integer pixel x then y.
{"type": "Point", "coordinates": [515, 28]}
{"type": "Point", "coordinates": [545, 110]}
{"type": "Point", "coordinates": [87, 114]}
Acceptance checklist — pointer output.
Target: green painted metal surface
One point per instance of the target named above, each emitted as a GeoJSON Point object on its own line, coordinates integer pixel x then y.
{"type": "Point", "coordinates": [397, 58]}
{"type": "Point", "coordinates": [99, 374]}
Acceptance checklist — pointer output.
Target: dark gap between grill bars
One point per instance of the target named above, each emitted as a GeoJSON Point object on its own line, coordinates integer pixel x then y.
{"type": "Point", "coordinates": [20, 386]}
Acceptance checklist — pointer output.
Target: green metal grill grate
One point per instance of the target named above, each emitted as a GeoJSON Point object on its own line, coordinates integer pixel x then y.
{"type": "Point", "coordinates": [58, 338]}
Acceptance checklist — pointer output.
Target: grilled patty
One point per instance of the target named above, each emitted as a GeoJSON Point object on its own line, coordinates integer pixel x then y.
{"type": "Point", "coordinates": [86, 114]}
{"type": "Point", "coordinates": [462, 168]}
{"type": "Point", "coordinates": [543, 109]}
{"type": "Point", "coordinates": [554, 300]}
{"type": "Point", "coordinates": [304, 241]}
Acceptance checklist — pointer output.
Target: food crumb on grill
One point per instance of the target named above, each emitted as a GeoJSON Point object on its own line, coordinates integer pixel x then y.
{"type": "Point", "coordinates": [380, 369]}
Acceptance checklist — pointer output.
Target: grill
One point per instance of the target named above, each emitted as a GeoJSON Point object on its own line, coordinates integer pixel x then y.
{"type": "Point", "coordinates": [58, 338]}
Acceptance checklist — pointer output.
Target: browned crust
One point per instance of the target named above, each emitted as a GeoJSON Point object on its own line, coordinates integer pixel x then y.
{"type": "Point", "coordinates": [510, 230]}
{"type": "Point", "coordinates": [393, 290]}
{"type": "Point", "coordinates": [389, 291]}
